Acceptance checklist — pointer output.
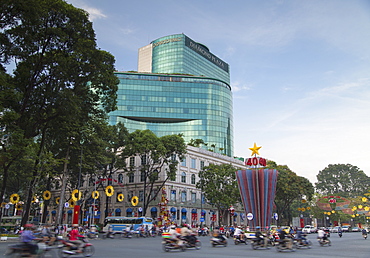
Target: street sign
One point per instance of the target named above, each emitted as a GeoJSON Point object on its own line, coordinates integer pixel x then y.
{"type": "Point", "coordinates": [201, 219]}
{"type": "Point", "coordinates": [66, 204]}
{"type": "Point", "coordinates": [276, 216]}
{"type": "Point", "coordinates": [249, 216]}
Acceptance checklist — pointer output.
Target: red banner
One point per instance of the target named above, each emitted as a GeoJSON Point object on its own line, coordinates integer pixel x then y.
{"type": "Point", "coordinates": [76, 213]}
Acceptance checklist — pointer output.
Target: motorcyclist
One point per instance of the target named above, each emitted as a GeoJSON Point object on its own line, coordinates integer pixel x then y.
{"type": "Point", "coordinates": [48, 235]}
{"type": "Point", "coordinates": [239, 233]}
{"type": "Point", "coordinates": [301, 237]}
{"type": "Point", "coordinates": [217, 234]}
{"type": "Point", "coordinates": [73, 238]}
{"type": "Point", "coordinates": [321, 234]}
{"type": "Point", "coordinates": [259, 236]}
{"type": "Point", "coordinates": [174, 235]}
{"type": "Point", "coordinates": [364, 232]}
{"type": "Point", "coordinates": [284, 239]}
{"type": "Point", "coordinates": [27, 237]}
{"type": "Point", "coordinates": [185, 233]}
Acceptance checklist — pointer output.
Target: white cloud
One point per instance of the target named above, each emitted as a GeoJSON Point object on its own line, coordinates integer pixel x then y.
{"type": "Point", "coordinates": [237, 86]}
{"type": "Point", "coordinates": [94, 13]}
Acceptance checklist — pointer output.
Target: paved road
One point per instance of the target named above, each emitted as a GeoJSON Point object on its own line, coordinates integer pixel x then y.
{"type": "Point", "coordinates": [350, 245]}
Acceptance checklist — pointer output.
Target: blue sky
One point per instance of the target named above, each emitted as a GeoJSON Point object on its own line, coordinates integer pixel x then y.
{"type": "Point", "coordinates": [300, 70]}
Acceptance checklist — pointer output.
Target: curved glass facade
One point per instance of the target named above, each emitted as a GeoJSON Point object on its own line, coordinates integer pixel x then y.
{"type": "Point", "coordinates": [180, 54]}
{"type": "Point", "coordinates": [197, 107]}
{"type": "Point", "coordinates": [180, 87]}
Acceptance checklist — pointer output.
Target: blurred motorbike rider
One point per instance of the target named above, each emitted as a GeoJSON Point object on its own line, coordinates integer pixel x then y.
{"type": "Point", "coordinates": [27, 237]}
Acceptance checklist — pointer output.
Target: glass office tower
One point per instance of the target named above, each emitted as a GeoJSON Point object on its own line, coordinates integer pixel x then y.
{"type": "Point", "coordinates": [180, 88]}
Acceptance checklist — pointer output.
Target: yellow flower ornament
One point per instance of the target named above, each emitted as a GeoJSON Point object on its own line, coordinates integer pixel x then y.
{"type": "Point", "coordinates": [134, 201]}
{"type": "Point", "coordinates": [120, 197]}
{"type": "Point", "coordinates": [109, 190]}
{"type": "Point", "coordinates": [76, 195]}
{"type": "Point", "coordinates": [14, 198]}
{"type": "Point", "coordinates": [95, 195]}
{"type": "Point", "coordinates": [46, 195]}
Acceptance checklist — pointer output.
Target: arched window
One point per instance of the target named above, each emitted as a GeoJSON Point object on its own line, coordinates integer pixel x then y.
{"type": "Point", "coordinates": [183, 177]}
{"type": "Point", "coordinates": [120, 178]}
{"type": "Point", "coordinates": [193, 179]}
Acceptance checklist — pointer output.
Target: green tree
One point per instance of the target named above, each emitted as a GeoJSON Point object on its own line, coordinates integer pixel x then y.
{"type": "Point", "coordinates": [219, 186]}
{"type": "Point", "coordinates": [159, 159]}
{"type": "Point", "coordinates": [342, 179]}
{"type": "Point", "coordinates": [59, 74]}
{"type": "Point", "coordinates": [289, 188]}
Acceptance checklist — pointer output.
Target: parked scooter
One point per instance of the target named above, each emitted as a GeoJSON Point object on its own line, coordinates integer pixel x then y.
{"type": "Point", "coordinates": [219, 240]}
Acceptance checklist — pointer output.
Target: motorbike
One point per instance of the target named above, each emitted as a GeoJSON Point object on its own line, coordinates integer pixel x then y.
{"type": "Point", "coordinates": [202, 232]}
{"type": "Point", "coordinates": [92, 235]}
{"type": "Point", "coordinates": [238, 240]}
{"type": "Point", "coordinates": [69, 249]}
{"type": "Point", "coordinates": [22, 250]}
{"type": "Point", "coordinates": [126, 234]}
{"type": "Point", "coordinates": [171, 244]}
{"type": "Point", "coordinates": [218, 240]}
{"type": "Point", "coordinates": [324, 241]}
{"type": "Point", "coordinates": [302, 243]}
{"type": "Point", "coordinates": [282, 246]}
{"type": "Point", "coordinates": [340, 233]}
{"type": "Point", "coordinates": [108, 235]}
{"type": "Point", "coordinates": [260, 243]}
{"type": "Point", "coordinates": [192, 242]}
{"type": "Point", "coordinates": [364, 236]}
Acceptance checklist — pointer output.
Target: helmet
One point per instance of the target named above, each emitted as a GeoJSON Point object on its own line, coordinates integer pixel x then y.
{"type": "Point", "coordinates": [28, 226]}
{"type": "Point", "coordinates": [258, 227]}
{"type": "Point", "coordinates": [173, 226]}
{"type": "Point", "coordinates": [75, 225]}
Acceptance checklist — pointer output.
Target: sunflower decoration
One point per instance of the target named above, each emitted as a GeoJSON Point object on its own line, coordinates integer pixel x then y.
{"type": "Point", "coordinates": [76, 195]}
{"type": "Point", "coordinates": [18, 206]}
{"type": "Point", "coordinates": [134, 200]}
{"type": "Point", "coordinates": [57, 200]}
{"type": "Point", "coordinates": [14, 198]}
{"type": "Point", "coordinates": [95, 195]}
{"type": "Point", "coordinates": [109, 190]}
{"type": "Point", "coordinates": [120, 197]}
{"type": "Point", "coordinates": [72, 203]}
{"type": "Point", "coordinates": [46, 195]}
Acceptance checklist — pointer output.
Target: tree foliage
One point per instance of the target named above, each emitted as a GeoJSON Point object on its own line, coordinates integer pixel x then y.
{"type": "Point", "coordinates": [342, 179]}
{"type": "Point", "coordinates": [60, 78]}
{"type": "Point", "coordinates": [219, 186]}
{"type": "Point", "coordinates": [289, 188]}
{"type": "Point", "coordinates": [158, 155]}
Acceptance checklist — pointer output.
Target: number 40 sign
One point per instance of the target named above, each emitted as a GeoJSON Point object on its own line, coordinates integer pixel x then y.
{"type": "Point", "coordinates": [255, 161]}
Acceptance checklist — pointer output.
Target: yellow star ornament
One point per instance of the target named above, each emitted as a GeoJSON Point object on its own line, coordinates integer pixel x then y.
{"type": "Point", "coordinates": [255, 149]}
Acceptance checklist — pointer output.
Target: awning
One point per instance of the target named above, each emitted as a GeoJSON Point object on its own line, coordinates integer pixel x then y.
{"type": "Point", "coordinates": [153, 209]}
{"type": "Point", "coordinates": [70, 212]}
{"type": "Point", "coordinates": [128, 210]}
{"type": "Point", "coordinates": [118, 210]}
{"type": "Point", "coordinates": [183, 210]}
{"type": "Point", "coordinates": [194, 211]}
{"type": "Point", "coordinates": [54, 212]}
{"type": "Point", "coordinates": [173, 209]}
